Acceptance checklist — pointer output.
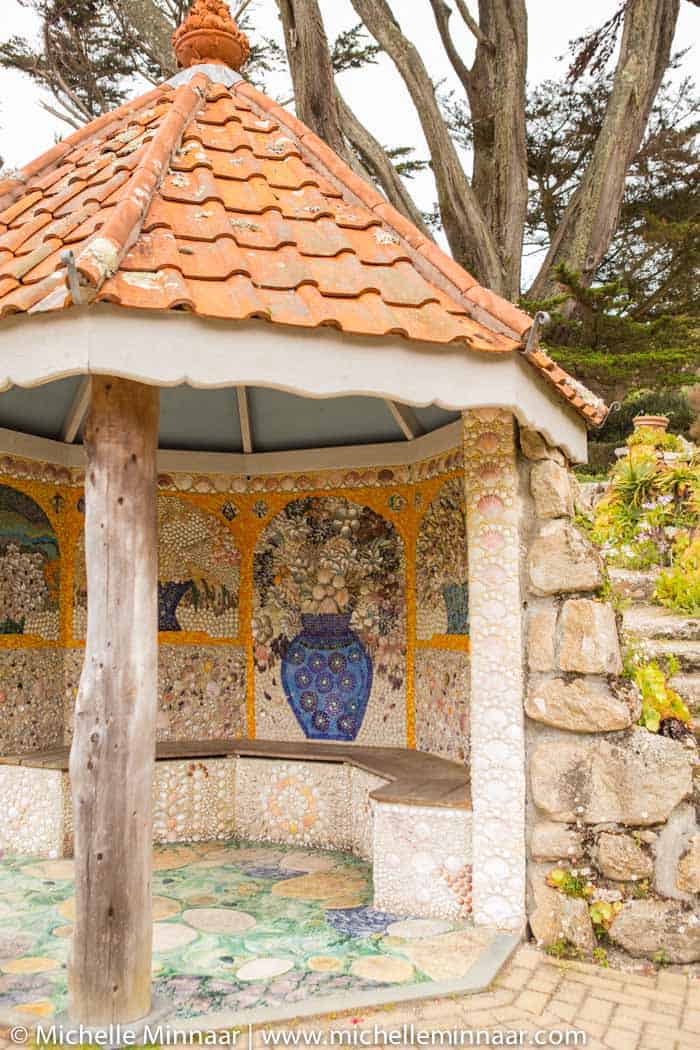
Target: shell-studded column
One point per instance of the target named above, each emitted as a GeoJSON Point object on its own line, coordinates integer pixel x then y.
{"type": "Point", "coordinates": [497, 730]}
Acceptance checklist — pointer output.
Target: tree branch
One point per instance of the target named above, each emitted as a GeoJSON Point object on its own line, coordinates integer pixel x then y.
{"type": "Point", "coordinates": [65, 117]}
{"type": "Point", "coordinates": [379, 165]}
{"type": "Point", "coordinates": [312, 71]}
{"type": "Point", "coordinates": [496, 91]}
{"type": "Point", "coordinates": [472, 24]}
{"type": "Point", "coordinates": [443, 13]}
{"type": "Point", "coordinates": [590, 220]}
{"type": "Point", "coordinates": [467, 231]}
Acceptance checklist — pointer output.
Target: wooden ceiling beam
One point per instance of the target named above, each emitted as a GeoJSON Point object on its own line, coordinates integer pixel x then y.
{"type": "Point", "coordinates": [244, 417]}
{"type": "Point", "coordinates": [407, 420]}
{"type": "Point", "coordinates": [77, 412]}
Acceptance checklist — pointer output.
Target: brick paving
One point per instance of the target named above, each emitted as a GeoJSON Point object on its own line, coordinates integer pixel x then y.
{"type": "Point", "coordinates": [536, 994]}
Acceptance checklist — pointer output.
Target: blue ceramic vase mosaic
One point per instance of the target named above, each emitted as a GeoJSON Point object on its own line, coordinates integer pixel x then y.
{"type": "Point", "coordinates": [327, 677]}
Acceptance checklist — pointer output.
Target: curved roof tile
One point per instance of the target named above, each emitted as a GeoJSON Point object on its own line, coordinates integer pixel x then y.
{"type": "Point", "coordinates": [208, 196]}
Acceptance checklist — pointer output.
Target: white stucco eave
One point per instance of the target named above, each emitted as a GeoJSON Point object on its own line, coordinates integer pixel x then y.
{"type": "Point", "coordinates": [170, 348]}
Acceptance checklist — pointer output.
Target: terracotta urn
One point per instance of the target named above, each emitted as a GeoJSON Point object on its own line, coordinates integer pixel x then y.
{"type": "Point", "coordinates": [651, 422]}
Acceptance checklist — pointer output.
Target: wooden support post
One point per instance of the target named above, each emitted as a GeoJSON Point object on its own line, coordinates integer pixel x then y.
{"type": "Point", "coordinates": [113, 752]}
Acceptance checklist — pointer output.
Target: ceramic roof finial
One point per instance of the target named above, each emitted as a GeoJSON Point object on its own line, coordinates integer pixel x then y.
{"type": "Point", "coordinates": [210, 35]}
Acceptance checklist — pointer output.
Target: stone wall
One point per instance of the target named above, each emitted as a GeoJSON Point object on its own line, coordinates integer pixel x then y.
{"type": "Point", "coordinates": [374, 559]}
{"type": "Point", "coordinates": [613, 830]}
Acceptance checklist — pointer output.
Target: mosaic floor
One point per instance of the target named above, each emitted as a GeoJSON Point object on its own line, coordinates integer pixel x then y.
{"type": "Point", "coordinates": [239, 931]}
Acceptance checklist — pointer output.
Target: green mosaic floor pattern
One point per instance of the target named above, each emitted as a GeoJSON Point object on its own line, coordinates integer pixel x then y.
{"type": "Point", "coordinates": [237, 927]}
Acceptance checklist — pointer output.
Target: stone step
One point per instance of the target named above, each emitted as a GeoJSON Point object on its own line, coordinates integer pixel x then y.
{"type": "Point", "coordinates": [688, 686]}
{"type": "Point", "coordinates": [653, 621]}
{"type": "Point", "coordinates": [687, 653]}
{"type": "Point", "coordinates": [634, 585]}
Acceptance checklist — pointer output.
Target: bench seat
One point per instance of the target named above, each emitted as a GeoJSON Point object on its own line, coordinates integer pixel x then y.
{"type": "Point", "coordinates": [407, 813]}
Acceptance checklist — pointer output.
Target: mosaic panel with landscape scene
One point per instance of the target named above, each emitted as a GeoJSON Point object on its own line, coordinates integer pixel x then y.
{"type": "Point", "coordinates": [198, 573]}
{"type": "Point", "coordinates": [29, 568]}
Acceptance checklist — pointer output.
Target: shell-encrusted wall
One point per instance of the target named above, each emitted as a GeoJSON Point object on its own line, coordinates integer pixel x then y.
{"type": "Point", "coordinates": [295, 803]}
{"type": "Point", "coordinates": [194, 801]}
{"type": "Point", "coordinates": [31, 803]}
{"type": "Point", "coordinates": [362, 807]}
{"type": "Point", "coordinates": [242, 561]}
{"type": "Point", "coordinates": [422, 860]}
{"type": "Point", "coordinates": [442, 703]}
{"type": "Point", "coordinates": [442, 626]}
{"type": "Point", "coordinates": [494, 523]}
{"type": "Point", "coordinates": [31, 699]}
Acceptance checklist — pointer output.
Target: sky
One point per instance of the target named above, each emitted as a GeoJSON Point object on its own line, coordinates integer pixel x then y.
{"type": "Point", "coordinates": [375, 92]}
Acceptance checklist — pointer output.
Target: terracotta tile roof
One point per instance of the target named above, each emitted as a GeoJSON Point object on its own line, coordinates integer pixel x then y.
{"type": "Point", "coordinates": [208, 196]}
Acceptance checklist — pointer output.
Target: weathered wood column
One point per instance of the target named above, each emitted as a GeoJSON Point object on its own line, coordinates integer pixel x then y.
{"type": "Point", "coordinates": [112, 757]}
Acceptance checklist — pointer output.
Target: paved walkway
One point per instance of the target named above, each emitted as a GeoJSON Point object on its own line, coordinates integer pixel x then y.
{"type": "Point", "coordinates": [537, 994]}
{"type": "Point", "coordinates": [615, 1010]}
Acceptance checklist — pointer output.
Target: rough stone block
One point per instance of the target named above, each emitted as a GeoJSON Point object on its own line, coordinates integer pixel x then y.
{"type": "Point", "coordinates": [551, 490]}
{"type": "Point", "coordinates": [636, 779]}
{"type": "Point", "coordinates": [620, 857]}
{"type": "Point", "coordinates": [671, 845]}
{"type": "Point", "coordinates": [589, 638]}
{"type": "Point", "coordinates": [555, 917]}
{"type": "Point", "coordinates": [562, 560]}
{"type": "Point", "coordinates": [551, 842]}
{"type": "Point", "coordinates": [581, 706]}
{"type": "Point", "coordinates": [646, 927]}
{"type": "Point", "coordinates": [689, 868]}
{"type": "Point", "coordinates": [534, 447]}
{"type": "Point", "coordinates": [540, 639]}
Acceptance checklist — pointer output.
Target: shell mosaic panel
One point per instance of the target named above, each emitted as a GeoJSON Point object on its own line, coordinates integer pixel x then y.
{"type": "Point", "coordinates": [330, 624]}
{"type": "Point", "coordinates": [201, 691]}
{"type": "Point", "coordinates": [442, 703]}
{"type": "Point", "coordinates": [362, 807]}
{"type": "Point", "coordinates": [442, 569]}
{"type": "Point", "coordinates": [31, 802]}
{"type": "Point", "coordinates": [194, 801]}
{"type": "Point", "coordinates": [295, 803]}
{"type": "Point", "coordinates": [422, 860]}
{"type": "Point", "coordinates": [199, 569]}
{"type": "Point", "coordinates": [31, 699]}
{"type": "Point", "coordinates": [29, 568]}
{"type": "Point", "coordinates": [236, 927]}
{"type": "Point", "coordinates": [254, 573]}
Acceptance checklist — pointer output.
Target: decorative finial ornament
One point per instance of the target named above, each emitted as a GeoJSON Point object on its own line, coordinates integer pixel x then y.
{"type": "Point", "coordinates": [209, 34]}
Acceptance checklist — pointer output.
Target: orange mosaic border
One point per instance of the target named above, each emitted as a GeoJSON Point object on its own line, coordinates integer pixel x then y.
{"type": "Point", "coordinates": [60, 504]}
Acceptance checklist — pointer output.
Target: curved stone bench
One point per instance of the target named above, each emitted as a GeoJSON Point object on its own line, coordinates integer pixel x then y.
{"type": "Point", "coordinates": [407, 813]}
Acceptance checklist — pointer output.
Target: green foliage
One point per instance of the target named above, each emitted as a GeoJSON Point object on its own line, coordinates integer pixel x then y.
{"type": "Point", "coordinates": [661, 958]}
{"type": "Point", "coordinates": [602, 914]}
{"type": "Point", "coordinates": [569, 884]}
{"type": "Point", "coordinates": [563, 949]}
{"type": "Point", "coordinates": [601, 957]}
{"type": "Point", "coordinates": [639, 890]}
{"type": "Point", "coordinates": [679, 587]}
{"type": "Point", "coordinates": [655, 439]}
{"type": "Point", "coordinates": [10, 626]}
{"type": "Point", "coordinates": [671, 403]}
{"type": "Point", "coordinates": [353, 49]}
{"type": "Point", "coordinates": [659, 700]}
{"type": "Point", "coordinates": [607, 342]}
{"type": "Point", "coordinates": [652, 506]}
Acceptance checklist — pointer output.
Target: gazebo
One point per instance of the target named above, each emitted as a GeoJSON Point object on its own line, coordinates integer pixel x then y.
{"type": "Point", "coordinates": [323, 531]}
